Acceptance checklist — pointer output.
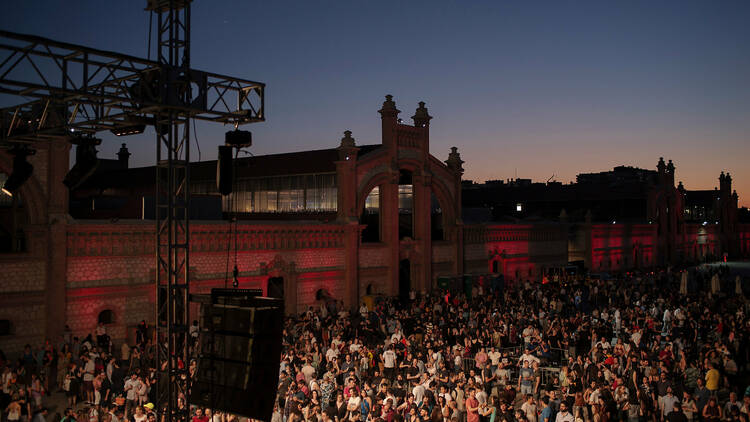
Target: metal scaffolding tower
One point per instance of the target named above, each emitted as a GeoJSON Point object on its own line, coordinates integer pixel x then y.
{"type": "Point", "coordinates": [81, 90]}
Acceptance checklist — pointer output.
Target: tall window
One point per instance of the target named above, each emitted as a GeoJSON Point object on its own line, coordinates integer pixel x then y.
{"type": "Point", "coordinates": [371, 216]}
{"type": "Point", "coordinates": [372, 202]}
{"type": "Point", "coordinates": [405, 205]}
{"type": "Point", "coordinates": [436, 219]}
{"type": "Point", "coordinates": [293, 194]}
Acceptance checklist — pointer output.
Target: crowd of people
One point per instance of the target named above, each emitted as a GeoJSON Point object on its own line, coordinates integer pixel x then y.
{"type": "Point", "coordinates": [632, 347]}
{"type": "Point", "coordinates": [627, 348]}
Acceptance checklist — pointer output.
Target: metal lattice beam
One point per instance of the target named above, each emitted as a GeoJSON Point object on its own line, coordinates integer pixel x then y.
{"type": "Point", "coordinates": [92, 90]}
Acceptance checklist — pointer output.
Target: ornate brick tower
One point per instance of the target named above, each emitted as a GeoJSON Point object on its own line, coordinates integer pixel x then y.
{"type": "Point", "coordinates": [666, 209]}
{"type": "Point", "coordinates": [418, 199]}
{"type": "Point", "coordinates": [727, 212]}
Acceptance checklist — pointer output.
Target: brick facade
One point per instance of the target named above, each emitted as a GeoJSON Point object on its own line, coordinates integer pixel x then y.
{"type": "Point", "coordinates": [74, 270]}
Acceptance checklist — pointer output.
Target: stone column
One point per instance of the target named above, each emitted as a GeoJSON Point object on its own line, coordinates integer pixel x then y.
{"type": "Point", "coordinates": [423, 229]}
{"type": "Point", "coordinates": [57, 238]}
{"type": "Point", "coordinates": [352, 294]}
{"type": "Point", "coordinates": [389, 228]}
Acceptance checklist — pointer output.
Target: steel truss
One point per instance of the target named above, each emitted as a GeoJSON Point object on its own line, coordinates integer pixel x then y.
{"type": "Point", "coordinates": [81, 89]}
{"type": "Point", "coordinates": [92, 90]}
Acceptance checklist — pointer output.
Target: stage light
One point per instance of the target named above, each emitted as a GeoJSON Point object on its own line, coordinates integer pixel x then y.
{"type": "Point", "coordinates": [136, 129]}
{"type": "Point", "coordinates": [22, 169]}
{"type": "Point", "coordinates": [238, 138]}
{"type": "Point", "coordinates": [86, 161]}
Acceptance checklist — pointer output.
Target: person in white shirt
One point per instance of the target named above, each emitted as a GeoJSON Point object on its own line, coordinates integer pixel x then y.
{"type": "Point", "coordinates": [131, 387]}
{"type": "Point", "coordinates": [529, 408]}
{"type": "Point", "coordinates": [389, 362]}
{"type": "Point", "coordinates": [527, 356]}
{"type": "Point", "coordinates": [494, 356]}
{"type": "Point", "coordinates": [308, 371]}
{"type": "Point", "coordinates": [564, 415]}
{"type": "Point", "coordinates": [604, 343]}
{"type": "Point", "coordinates": [418, 392]}
{"type": "Point", "coordinates": [332, 354]}
{"type": "Point", "coordinates": [88, 377]}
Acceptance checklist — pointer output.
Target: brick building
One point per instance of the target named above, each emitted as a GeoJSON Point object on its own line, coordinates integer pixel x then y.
{"type": "Point", "coordinates": [340, 223]}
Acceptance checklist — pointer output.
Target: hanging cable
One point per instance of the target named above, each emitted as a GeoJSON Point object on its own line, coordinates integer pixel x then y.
{"type": "Point", "coordinates": [235, 272]}
{"type": "Point", "coordinates": [197, 144]}
{"type": "Point", "coordinates": [150, 25]}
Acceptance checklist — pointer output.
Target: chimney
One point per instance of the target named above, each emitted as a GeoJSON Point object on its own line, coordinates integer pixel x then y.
{"type": "Point", "coordinates": [123, 156]}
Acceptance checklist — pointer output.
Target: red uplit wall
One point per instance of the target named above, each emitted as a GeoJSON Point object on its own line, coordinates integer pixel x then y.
{"type": "Point", "coordinates": [518, 251]}
{"type": "Point", "coordinates": [744, 239]}
{"type": "Point", "coordinates": [616, 247]}
{"type": "Point", "coordinates": [111, 267]}
{"type": "Point", "coordinates": [699, 241]}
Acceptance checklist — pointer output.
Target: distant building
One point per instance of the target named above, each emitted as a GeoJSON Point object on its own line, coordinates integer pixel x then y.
{"type": "Point", "coordinates": [624, 218]}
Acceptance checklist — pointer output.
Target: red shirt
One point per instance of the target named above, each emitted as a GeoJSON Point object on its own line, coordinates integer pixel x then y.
{"type": "Point", "coordinates": [472, 416]}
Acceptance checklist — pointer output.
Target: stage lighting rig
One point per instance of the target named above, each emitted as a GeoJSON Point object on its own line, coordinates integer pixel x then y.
{"type": "Point", "coordinates": [135, 129]}
{"type": "Point", "coordinates": [238, 138]}
{"type": "Point", "coordinates": [22, 169]}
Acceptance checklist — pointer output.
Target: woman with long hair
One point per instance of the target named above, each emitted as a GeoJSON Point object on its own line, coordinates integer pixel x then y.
{"type": "Point", "coordinates": [36, 390]}
{"type": "Point", "coordinates": [712, 411]}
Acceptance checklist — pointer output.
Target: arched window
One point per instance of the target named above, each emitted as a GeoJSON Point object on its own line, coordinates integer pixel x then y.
{"type": "Point", "coordinates": [371, 217]}
{"type": "Point", "coordinates": [5, 327]}
{"type": "Point", "coordinates": [436, 219]}
{"type": "Point", "coordinates": [106, 317]}
{"type": "Point", "coordinates": [405, 205]}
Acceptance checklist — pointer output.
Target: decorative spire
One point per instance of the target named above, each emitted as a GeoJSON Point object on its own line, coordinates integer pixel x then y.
{"type": "Point", "coordinates": [389, 107]}
{"type": "Point", "coordinates": [123, 155]}
{"type": "Point", "coordinates": [670, 167]}
{"type": "Point", "coordinates": [661, 166]}
{"type": "Point", "coordinates": [347, 141]}
{"type": "Point", "coordinates": [348, 149]}
{"type": "Point", "coordinates": [454, 160]}
{"type": "Point", "coordinates": [421, 117]}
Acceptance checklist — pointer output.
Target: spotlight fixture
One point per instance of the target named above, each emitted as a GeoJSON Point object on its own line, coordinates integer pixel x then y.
{"type": "Point", "coordinates": [22, 169]}
{"type": "Point", "coordinates": [132, 125]}
{"type": "Point", "coordinates": [136, 129]}
{"type": "Point", "coordinates": [86, 161]}
{"type": "Point", "coordinates": [238, 138]}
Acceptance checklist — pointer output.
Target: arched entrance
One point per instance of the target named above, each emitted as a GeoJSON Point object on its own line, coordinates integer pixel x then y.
{"type": "Point", "coordinates": [404, 278]}
{"type": "Point", "coordinates": [275, 287]}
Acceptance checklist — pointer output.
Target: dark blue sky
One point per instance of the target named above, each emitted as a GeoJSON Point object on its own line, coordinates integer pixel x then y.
{"type": "Point", "coordinates": [528, 88]}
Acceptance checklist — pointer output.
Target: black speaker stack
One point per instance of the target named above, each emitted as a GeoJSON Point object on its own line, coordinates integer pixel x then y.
{"type": "Point", "coordinates": [240, 352]}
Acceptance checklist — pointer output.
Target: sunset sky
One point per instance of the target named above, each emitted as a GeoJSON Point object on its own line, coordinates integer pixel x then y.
{"type": "Point", "coordinates": [528, 88]}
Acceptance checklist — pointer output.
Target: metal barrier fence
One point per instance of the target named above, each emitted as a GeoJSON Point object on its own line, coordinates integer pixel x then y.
{"type": "Point", "coordinates": [513, 352]}
{"type": "Point", "coordinates": [548, 373]}
{"type": "Point", "coordinates": [557, 357]}
{"type": "Point", "coordinates": [468, 363]}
